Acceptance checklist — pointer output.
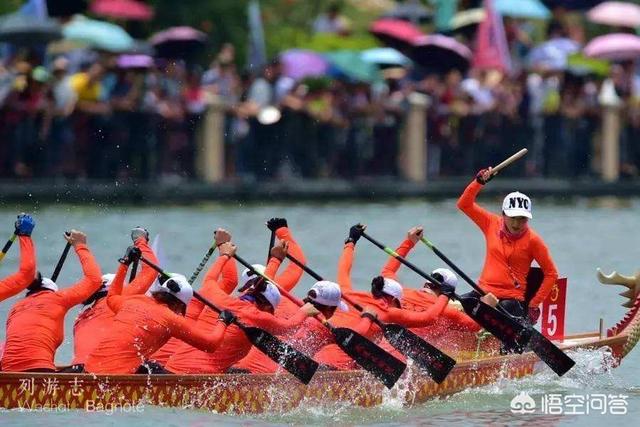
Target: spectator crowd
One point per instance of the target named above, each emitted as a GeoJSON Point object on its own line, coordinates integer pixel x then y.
{"type": "Point", "coordinates": [93, 118]}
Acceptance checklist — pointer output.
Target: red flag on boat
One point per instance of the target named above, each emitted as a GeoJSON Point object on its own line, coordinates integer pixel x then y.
{"type": "Point", "coordinates": [553, 311]}
{"type": "Point", "coordinates": [492, 51]}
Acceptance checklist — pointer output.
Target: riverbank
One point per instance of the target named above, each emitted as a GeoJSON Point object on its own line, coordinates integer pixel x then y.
{"type": "Point", "coordinates": [296, 190]}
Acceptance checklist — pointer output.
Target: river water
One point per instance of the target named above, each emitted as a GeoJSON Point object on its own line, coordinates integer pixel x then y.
{"type": "Point", "coordinates": [582, 235]}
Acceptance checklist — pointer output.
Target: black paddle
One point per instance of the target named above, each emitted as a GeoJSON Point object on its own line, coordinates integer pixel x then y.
{"type": "Point", "coordinates": [7, 245]}
{"type": "Point", "coordinates": [541, 345]}
{"type": "Point", "coordinates": [63, 257]}
{"type": "Point", "coordinates": [297, 363]}
{"type": "Point", "coordinates": [367, 354]}
{"type": "Point", "coordinates": [272, 241]}
{"type": "Point", "coordinates": [134, 271]}
{"type": "Point", "coordinates": [200, 266]}
{"type": "Point", "coordinates": [503, 327]}
{"type": "Point", "coordinates": [436, 363]}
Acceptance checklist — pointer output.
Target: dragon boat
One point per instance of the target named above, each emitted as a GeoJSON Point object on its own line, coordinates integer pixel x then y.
{"type": "Point", "coordinates": [479, 363]}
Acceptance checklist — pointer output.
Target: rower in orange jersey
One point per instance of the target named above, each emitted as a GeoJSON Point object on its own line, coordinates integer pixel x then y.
{"type": "Point", "coordinates": [35, 326]}
{"type": "Point", "coordinates": [223, 274]}
{"type": "Point", "coordinates": [143, 324]}
{"type": "Point", "coordinates": [385, 299]}
{"type": "Point", "coordinates": [97, 318]}
{"type": "Point", "coordinates": [452, 318]}
{"type": "Point", "coordinates": [254, 308]}
{"type": "Point", "coordinates": [13, 284]}
{"type": "Point", "coordinates": [511, 247]}
{"type": "Point", "coordinates": [256, 362]}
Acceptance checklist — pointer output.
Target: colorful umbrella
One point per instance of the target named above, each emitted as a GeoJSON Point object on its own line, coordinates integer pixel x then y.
{"type": "Point", "coordinates": [298, 63]}
{"type": "Point", "coordinates": [385, 56]}
{"type": "Point", "coordinates": [395, 33]}
{"type": "Point", "coordinates": [135, 61]}
{"type": "Point", "coordinates": [98, 34]}
{"type": "Point", "coordinates": [553, 54]}
{"type": "Point", "coordinates": [350, 64]}
{"type": "Point", "coordinates": [616, 13]}
{"type": "Point", "coordinates": [614, 47]}
{"type": "Point", "coordinates": [178, 42]}
{"type": "Point", "coordinates": [20, 29]}
{"type": "Point", "coordinates": [529, 9]}
{"type": "Point", "coordinates": [440, 53]}
{"type": "Point", "coordinates": [122, 9]}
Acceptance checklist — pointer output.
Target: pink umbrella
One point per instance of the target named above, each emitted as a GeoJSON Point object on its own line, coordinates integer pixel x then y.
{"type": "Point", "coordinates": [615, 47]}
{"type": "Point", "coordinates": [122, 9]}
{"type": "Point", "coordinates": [616, 13]}
{"type": "Point", "coordinates": [178, 42]}
{"type": "Point", "coordinates": [178, 34]}
{"type": "Point", "coordinates": [441, 53]}
{"type": "Point", "coordinates": [395, 32]}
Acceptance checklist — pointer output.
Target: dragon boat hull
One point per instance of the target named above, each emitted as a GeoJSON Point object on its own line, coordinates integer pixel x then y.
{"type": "Point", "coordinates": [248, 394]}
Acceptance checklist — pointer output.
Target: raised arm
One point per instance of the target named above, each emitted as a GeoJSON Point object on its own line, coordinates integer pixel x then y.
{"type": "Point", "coordinates": [292, 274]}
{"type": "Point", "coordinates": [147, 276]}
{"type": "Point", "coordinates": [543, 257]}
{"type": "Point", "coordinates": [92, 279]}
{"type": "Point", "coordinates": [114, 296]}
{"type": "Point", "coordinates": [13, 284]}
{"type": "Point", "coordinates": [344, 267]}
{"type": "Point", "coordinates": [392, 266]}
{"type": "Point", "coordinates": [467, 204]}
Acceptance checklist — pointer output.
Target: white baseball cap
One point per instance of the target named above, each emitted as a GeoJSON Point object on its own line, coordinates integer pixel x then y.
{"type": "Point", "coordinates": [184, 292]}
{"type": "Point", "coordinates": [328, 293]}
{"type": "Point", "coordinates": [272, 294]}
{"type": "Point", "coordinates": [392, 288]}
{"type": "Point", "coordinates": [517, 204]}
{"type": "Point", "coordinates": [107, 280]}
{"type": "Point", "coordinates": [448, 276]}
{"type": "Point", "coordinates": [249, 275]}
{"type": "Point", "coordinates": [49, 284]}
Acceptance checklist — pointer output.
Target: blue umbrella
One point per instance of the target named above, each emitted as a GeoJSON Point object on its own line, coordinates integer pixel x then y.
{"type": "Point", "coordinates": [385, 56]}
{"type": "Point", "coordinates": [98, 34]}
{"type": "Point", "coordinates": [20, 29]}
{"type": "Point", "coordinates": [553, 54]}
{"type": "Point", "coordinates": [350, 65]}
{"type": "Point", "coordinates": [530, 9]}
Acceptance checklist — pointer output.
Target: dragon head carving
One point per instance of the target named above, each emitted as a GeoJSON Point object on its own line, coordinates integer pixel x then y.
{"type": "Point", "coordinates": [632, 283]}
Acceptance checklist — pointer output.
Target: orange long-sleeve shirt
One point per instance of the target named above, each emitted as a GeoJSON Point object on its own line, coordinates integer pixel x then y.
{"type": "Point", "coordinates": [141, 326]}
{"type": "Point", "coordinates": [507, 261]}
{"type": "Point", "coordinates": [256, 361]}
{"type": "Point", "coordinates": [35, 326]}
{"type": "Point", "coordinates": [188, 359]}
{"type": "Point", "coordinates": [333, 356]}
{"type": "Point", "coordinates": [421, 299]}
{"type": "Point", "coordinates": [18, 281]}
{"type": "Point", "coordinates": [222, 266]}
{"type": "Point", "coordinates": [94, 322]}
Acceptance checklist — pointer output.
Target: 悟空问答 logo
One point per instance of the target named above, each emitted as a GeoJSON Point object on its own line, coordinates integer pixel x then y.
{"type": "Point", "coordinates": [523, 404]}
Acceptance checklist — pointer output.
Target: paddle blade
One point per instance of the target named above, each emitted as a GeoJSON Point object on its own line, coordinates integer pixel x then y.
{"type": "Point", "coordinates": [297, 363]}
{"type": "Point", "coordinates": [436, 363]}
{"type": "Point", "coordinates": [367, 354]}
{"type": "Point", "coordinates": [506, 329]}
{"type": "Point", "coordinates": [555, 358]}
